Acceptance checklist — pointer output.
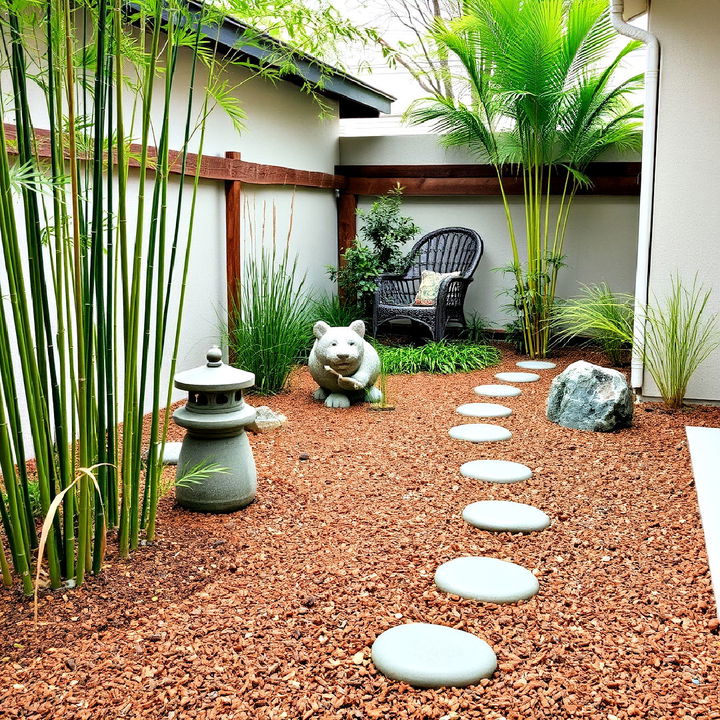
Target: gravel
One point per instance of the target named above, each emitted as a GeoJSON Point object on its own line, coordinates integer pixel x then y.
{"type": "Point", "coordinates": [270, 612]}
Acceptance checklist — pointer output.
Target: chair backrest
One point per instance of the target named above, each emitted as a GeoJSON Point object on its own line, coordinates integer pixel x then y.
{"type": "Point", "coordinates": [451, 249]}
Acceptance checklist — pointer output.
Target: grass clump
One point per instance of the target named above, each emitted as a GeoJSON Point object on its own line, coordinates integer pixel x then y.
{"type": "Point", "coordinates": [600, 315]}
{"type": "Point", "coordinates": [270, 326]}
{"type": "Point", "coordinates": [678, 337]}
{"type": "Point", "coordinates": [443, 358]}
{"type": "Point", "coordinates": [334, 311]}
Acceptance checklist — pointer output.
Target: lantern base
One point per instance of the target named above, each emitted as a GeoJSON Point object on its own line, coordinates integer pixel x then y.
{"type": "Point", "coordinates": [215, 475]}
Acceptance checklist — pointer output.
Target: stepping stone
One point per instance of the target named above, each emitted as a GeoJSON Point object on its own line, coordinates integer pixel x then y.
{"type": "Point", "coordinates": [171, 453]}
{"type": "Point", "coordinates": [515, 377]}
{"type": "Point", "coordinates": [480, 432]}
{"type": "Point", "coordinates": [484, 410]}
{"type": "Point", "coordinates": [504, 516]}
{"type": "Point", "coordinates": [536, 364]}
{"type": "Point", "coordinates": [433, 656]}
{"type": "Point", "coordinates": [496, 471]}
{"type": "Point", "coordinates": [486, 579]}
{"type": "Point", "coordinates": [497, 390]}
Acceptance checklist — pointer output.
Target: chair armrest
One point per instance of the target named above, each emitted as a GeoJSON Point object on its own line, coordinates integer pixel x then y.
{"type": "Point", "coordinates": [452, 288]}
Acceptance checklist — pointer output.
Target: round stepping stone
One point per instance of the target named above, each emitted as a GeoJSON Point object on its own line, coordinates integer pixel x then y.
{"type": "Point", "coordinates": [536, 364]}
{"type": "Point", "coordinates": [504, 516]}
{"type": "Point", "coordinates": [515, 377]}
{"type": "Point", "coordinates": [497, 390]}
{"type": "Point", "coordinates": [480, 432]}
{"type": "Point", "coordinates": [487, 579]}
{"type": "Point", "coordinates": [433, 656]}
{"type": "Point", "coordinates": [484, 410]}
{"type": "Point", "coordinates": [496, 471]}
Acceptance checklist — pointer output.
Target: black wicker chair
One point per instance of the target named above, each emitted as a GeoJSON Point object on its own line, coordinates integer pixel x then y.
{"type": "Point", "coordinates": [452, 249]}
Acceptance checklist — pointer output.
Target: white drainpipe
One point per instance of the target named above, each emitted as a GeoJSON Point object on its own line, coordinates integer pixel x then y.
{"type": "Point", "coordinates": [647, 186]}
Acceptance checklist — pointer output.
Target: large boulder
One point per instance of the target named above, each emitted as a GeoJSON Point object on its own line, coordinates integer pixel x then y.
{"type": "Point", "coordinates": [589, 397]}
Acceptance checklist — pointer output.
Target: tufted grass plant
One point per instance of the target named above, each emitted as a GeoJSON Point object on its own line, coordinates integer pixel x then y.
{"type": "Point", "coordinates": [443, 358]}
{"type": "Point", "coordinates": [270, 320]}
{"type": "Point", "coordinates": [335, 311]}
{"type": "Point", "coordinates": [599, 315]}
{"type": "Point", "coordinates": [679, 336]}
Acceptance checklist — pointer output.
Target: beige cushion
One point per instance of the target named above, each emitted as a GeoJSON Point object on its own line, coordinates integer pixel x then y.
{"type": "Point", "coordinates": [430, 286]}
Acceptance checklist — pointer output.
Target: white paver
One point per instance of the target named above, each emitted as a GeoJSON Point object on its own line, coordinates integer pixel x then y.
{"type": "Point", "coordinates": [704, 446]}
{"type": "Point", "coordinates": [517, 377]}
{"type": "Point", "coordinates": [487, 579]}
{"type": "Point", "coordinates": [484, 410]}
{"type": "Point", "coordinates": [536, 364]}
{"type": "Point", "coordinates": [433, 656]}
{"type": "Point", "coordinates": [496, 471]}
{"type": "Point", "coordinates": [480, 432]}
{"type": "Point", "coordinates": [505, 516]}
{"type": "Point", "coordinates": [497, 390]}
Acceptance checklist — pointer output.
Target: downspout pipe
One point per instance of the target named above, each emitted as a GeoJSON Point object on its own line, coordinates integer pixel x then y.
{"type": "Point", "coordinates": [647, 184]}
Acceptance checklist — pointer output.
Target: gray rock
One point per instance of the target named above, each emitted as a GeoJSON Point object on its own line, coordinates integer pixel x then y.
{"type": "Point", "coordinates": [589, 397]}
{"type": "Point", "coordinates": [343, 364]}
{"type": "Point", "coordinates": [266, 420]}
{"type": "Point", "coordinates": [433, 656]}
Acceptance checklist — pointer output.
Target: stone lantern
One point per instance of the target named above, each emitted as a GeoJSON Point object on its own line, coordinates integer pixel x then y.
{"type": "Point", "coordinates": [215, 456]}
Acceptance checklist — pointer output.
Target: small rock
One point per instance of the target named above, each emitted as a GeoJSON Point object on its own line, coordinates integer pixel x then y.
{"type": "Point", "coordinates": [266, 420]}
{"type": "Point", "coordinates": [589, 397]}
{"type": "Point", "coordinates": [303, 456]}
{"type": "Point", "coordinates": [358, 657]}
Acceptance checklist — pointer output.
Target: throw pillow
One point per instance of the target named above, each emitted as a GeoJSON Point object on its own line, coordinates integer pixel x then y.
{"type": "Point", "coordinates": [430, 286]}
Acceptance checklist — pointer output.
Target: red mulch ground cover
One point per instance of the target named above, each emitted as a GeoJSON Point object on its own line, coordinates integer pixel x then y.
{"type": "Point", "coordinates": [270, 612]}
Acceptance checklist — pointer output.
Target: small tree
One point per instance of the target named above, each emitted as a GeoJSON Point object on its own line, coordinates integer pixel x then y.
{"type": "Point", "coordinates": [538, 98]}
{"type": "Point", "coordinates": [378, 249]}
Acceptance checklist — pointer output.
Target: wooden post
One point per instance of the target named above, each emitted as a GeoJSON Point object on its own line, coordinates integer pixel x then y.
{"type": "Point", "coordinates": [233, 190]}
{"type": "Point", "coordinates": [347, 222]}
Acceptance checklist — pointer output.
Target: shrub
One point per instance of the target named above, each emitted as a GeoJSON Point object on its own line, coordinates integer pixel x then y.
{"type": "Point", "coordinates": [600, 315]}
{"type": "Point", "coordinates": [377, 249]}
{"type": "Point", "coordinates": [440, 357]}
{"type": "Point", "coordinates": [270, 326]}
{"type": "Point", "coordinates": [678, 337]}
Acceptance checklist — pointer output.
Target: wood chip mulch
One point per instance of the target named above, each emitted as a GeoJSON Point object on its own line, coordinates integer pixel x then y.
{"type": "Point", "coordinates": [270, 612]}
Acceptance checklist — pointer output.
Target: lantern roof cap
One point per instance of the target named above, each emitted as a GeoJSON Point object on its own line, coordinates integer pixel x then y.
{"type": "Point", "coordinates": [214, 376]}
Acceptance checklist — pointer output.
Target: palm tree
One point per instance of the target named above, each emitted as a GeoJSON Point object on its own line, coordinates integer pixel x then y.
{"type": "Point", "coordinates": [537, 97]}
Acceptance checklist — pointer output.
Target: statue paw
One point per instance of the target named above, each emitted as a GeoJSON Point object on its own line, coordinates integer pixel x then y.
{"type": "Point", "coordinates": [320, 394]}
{"type": "Point", "coordinates": [337, 400]}
{"type": "Point", "coordinates": [373, 395]}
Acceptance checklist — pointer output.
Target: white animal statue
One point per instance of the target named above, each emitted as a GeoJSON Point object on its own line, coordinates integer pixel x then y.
{"type": "Point", "coordinates": [344, 365]}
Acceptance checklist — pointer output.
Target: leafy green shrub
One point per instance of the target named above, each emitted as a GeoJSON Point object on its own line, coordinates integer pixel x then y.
{"type": "Point", "coordinates": [377, 249]}
{"type": "Point", "coordinates": [678, 337]}
{"type": "Point", "coordinates": [441, 357]}
{"type": "Point", "coordinates": [475, 330]}
{"type": "Point", "coordinates": [600, 315]}
{"type": "Point", "coordinates": [335, 311]}
{"type": "Point", "coordinates": [271, 325]}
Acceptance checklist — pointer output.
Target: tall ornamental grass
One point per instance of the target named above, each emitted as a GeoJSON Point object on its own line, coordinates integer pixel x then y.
{"type": "Point", "coordinates": [270, 324]}
{"type": "Point", "coordinates": [680, 334]}
{"type": "Point", "coordinates": [535, 93]}
{"type": "Point", "coordinates": [94, 262]}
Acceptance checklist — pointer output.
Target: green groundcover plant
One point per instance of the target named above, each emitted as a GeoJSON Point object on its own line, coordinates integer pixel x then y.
{"type": "Point", "coordinates": [440, 357]}
{"type": "Point", "coordinates": [534, 94]}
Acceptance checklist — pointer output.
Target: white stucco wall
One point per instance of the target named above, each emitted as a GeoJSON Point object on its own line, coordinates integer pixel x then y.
{"type": "Point", "coordinates": [601, 237]}
{"type": "Point", "coordinates": [686, 229]}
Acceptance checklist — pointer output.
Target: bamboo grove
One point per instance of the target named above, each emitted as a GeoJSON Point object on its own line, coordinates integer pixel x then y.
{"type": "Point", "coordinates": [96, 239]}
{"type": "Point", "coordinates": [536, 95]}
